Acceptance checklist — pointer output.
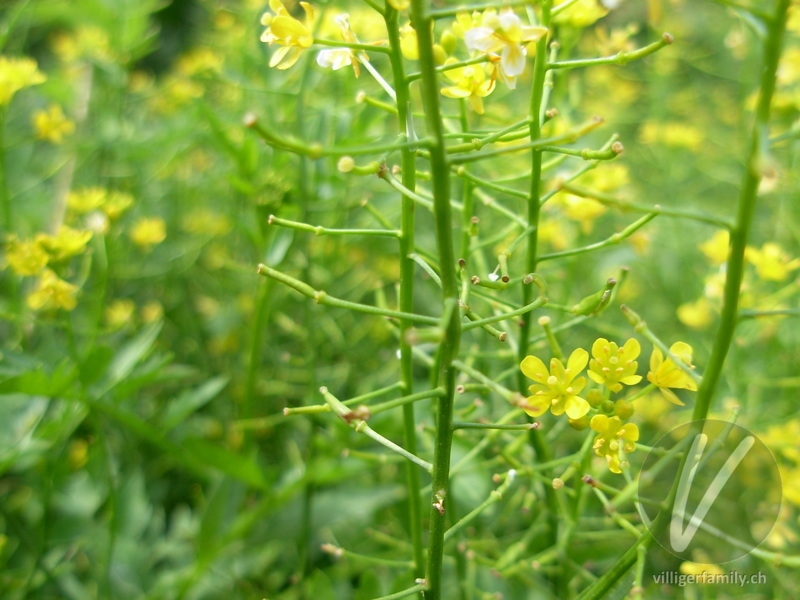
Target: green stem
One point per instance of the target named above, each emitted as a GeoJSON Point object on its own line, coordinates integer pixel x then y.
{"type": "Point", "coordinates": [734, 271]}
{"type": "Point", "coordinates": [620, 58]}
{"type": "Point", "coordinates": [321, 297]}
{"type": "Point", "coordinates": [320, 230]}
{"type": "Point", "coordinates": [756, 157]}
{"type": "Point", "coordinates": [535, 438]}
{"type": "Point", "coordinates": [610, 200]}
{"type": "Point", "coordinates": [407, 270]}
{"type": "Point", "coordinates": [448, 350]}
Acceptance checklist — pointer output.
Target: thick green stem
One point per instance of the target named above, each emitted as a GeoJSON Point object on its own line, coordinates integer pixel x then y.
{"type": "Point", "coordinates": [734, 269]}
{"type": "Point", "coordinates": [406, 301]}
{"type": "Point", "coordinates": [756, 156]}
{"type": "Point", "coordinates": [448, 350]}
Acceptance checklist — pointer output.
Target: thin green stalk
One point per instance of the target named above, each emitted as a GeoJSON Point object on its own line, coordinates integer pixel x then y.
{"type": "Point", "coordinates": [612, 240]}
{"type": "Point", "coordinates": [540, 66]}
{"type": "Point", "coordinates": [320, 230]}
{"type": "Point", "coordinates": [321, 297]}
{"type": "Point", "coordinates": [610, 200]}
{"type": "Point", "coordinates": [620, 58]}
{"type": "Point", "coordinates": [407, 270]}
{"type": "Point", "coordinates": [448, 350]}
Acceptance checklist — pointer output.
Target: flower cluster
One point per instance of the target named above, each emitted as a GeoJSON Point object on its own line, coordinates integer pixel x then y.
{"type": "Point", "coordinates": [561, 389]}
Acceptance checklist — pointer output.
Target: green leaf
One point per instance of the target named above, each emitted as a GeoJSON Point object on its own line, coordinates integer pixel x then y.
{"type": "Point", "coordinates": [234, 465]}
{"type": "Point", "coordinates": [131, 354]}
{"type": "Point", "coordinates": [192, 400]}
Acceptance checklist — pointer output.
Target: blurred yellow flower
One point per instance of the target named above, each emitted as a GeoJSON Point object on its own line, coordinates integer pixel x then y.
{"type": "Point", "coordinates": [716, 247]}
{"type": "Point", "coordinates": [666, 374]}
{"type": "Point", "coordinates": [77, 453]}
{"type": "Point", "coordinates": [283, 29]}
{"type": "Point", "coordinates": [89, 41]}
{"type": "Point", "coordinates": [583, 210]}
{"type": "Point", "coordinates": [116, 203]}
{"type": "Point", "coordinates": [408, 42]}
{"type": "Point", "coordinates": [612, 366]}
{"type": "Point", "coordinates": [52, 293]}
{"type": "Point", "coordinates": [204, 221]}
{"type": "Point", "coordinates": [581, 14]}
{"type": "Point", "coordinates": [470, 82]}
{"type": "Point", "coordinates": [399, 4]}
{"type": "Point", "coordinates": [119, 312]}
{"type": "Point", "coordinates": [613, 436]}
{"type": "Point", "coordinates": [697, 315]}
{"type": "Point", "coordinates": [702, 573]}
{"type": "Point", "coordinates": [199, 60]}
{"type": "Point", "coordinates": [25, 257]}
{"type": "Point", "coordinates": [673, 135]}
{"type": "Point", "coordinates": [557, 389]}
{"type": "Point", "coordinates": [771, 262]}
{"type": "Point", "coordinates": [152, 311]}
{"type": "Point", "coordinates": [66, 244]}
{"type": "Point", "coordinates": [148, 231]}
{"type": "Point", "coordinates": [86, 200]}
{"type": "Point", "coordinates": [52, 125]}
{"type": "Point", "coordinates": [16, 74]}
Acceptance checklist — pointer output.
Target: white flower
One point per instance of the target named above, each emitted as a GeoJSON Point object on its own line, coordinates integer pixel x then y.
{"type": "Point", "coordinates": [504, 36]}
{"type": "Point", "coordinates": [335, 58]}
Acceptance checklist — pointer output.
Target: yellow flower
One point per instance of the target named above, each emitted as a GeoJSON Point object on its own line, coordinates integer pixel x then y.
{"type": "Point", "coordinates": [199, 60]}
{"type": "Point", "coordinates": [152, 311]}
{"type": "Point", "coordinates": [666, 374]}
{"type": "Point", "coordinates": [119, 312]}
{"type": "Point", "coordinates": [504, 37]}
{"type": "Point", "coordinates": [582, 14]}
{"type": "Point", "coordinates": [697, 314]}
{"type": "Point", "coordinates": [25, 257]}
{"type": "Point", "coordinates": [116, 203]}
{"type": "Point", "coordinates": [52, 293]}
{"type": "Point", "coordinates": [557, 389]}
{"type": "Point", "coordinates": [771, 262]}
{"type": "Point", "coordinates": [86, 200]}
{"type": "Point", "coordinates": [283, 29]}
{"type": "Point", "coordinates": [470, 83]}
{"type": "Point", "coordinates": [399, 4]}
{"type": "Point", "coordinates": [66, 244]}
{"type": "Point", "coordinates": [148, 232]}
{"type": "Point", "coordinates": [16, 74]}
{"type": "Point", "coordinates": [613, 436]}
{"type": "Point", "coordinates": [612, 366]}
{"type": "Point", "coordinates": [408, 42]}
{"type": "Point", "coordinates": [716, 247]}
{"type": "Point", "coordinates": [582, 210]}
{"type": "Point", "coordinates": [52, 124]}
{"type": "Point", "coordinates": [702, 573]}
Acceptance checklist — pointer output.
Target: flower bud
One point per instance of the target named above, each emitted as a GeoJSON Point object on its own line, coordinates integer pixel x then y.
{"type": "Point", "coordinates": [607, 407]}
{"type": "Point", "coordinates": [579, 424]}
{"type": "Point", "coordinates": [623, 409]}
{"type": "Point", "coordinates": [439, 55]}
{"type": "Point", "coordinates": [594, 398]}
{"type": "Point", "coordinates": [448, 41]}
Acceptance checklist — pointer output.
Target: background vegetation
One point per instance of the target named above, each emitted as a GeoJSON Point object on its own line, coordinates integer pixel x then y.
{"type": "Point", "coordinates": [144, 451]}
